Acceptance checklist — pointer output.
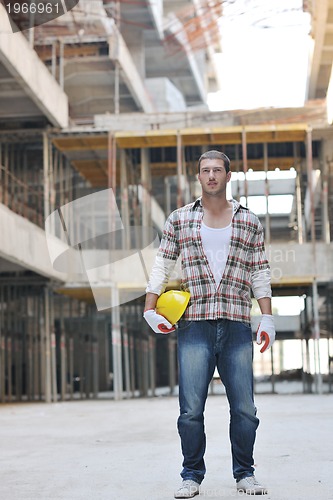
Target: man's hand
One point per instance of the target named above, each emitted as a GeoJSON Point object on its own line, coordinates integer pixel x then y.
{"type": "Point", "coordinates": [157, 322]}
{"type": "Point", "coordinates": [266, 331]}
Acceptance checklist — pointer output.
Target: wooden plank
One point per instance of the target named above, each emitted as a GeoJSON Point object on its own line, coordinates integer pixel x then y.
{"type": "Point", "coordinates": [81, 143]}
{"type": "Point", "coordinates": [190, 137]}
{"type": "Point", "coordinates": [83, 50]}
{"type": "Point", "coordinates": [80, 293]}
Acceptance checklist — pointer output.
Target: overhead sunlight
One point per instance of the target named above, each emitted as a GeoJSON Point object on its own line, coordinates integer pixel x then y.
{"type": "Point", "coordinates": [265, 55]}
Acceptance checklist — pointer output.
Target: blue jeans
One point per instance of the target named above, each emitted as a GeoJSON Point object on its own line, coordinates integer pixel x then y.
{"type": "Point", "coordinates": [202, 346]}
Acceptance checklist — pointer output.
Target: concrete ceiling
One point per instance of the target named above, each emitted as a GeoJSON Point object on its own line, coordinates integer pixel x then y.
{"type": "Point", "coordinates": [89, 70]}
{"type": "Point", "coordinates": [133, 39]}
{"type": "Point", "coordinates": [135, 15]}
{"type": "Point", "coordinates": [9, 267]}
{"type": "Point", "coordinates": [28, 92]}
{"type": "Point", "coordinates": [90, 87]}
{"type": "Point", "coordinates": [15, 104]}
{"type": "Point", "coordinates": [172, 61]}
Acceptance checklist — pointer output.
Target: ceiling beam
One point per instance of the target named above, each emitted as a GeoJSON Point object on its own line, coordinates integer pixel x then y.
{"type": "Point", "coordinates": [319, 28]}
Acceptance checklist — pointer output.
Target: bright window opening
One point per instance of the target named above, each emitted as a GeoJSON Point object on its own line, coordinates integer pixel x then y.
{"type": "Point", "coordinates": [278, 204]}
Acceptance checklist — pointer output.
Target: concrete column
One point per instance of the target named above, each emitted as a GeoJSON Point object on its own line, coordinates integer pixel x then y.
{"type": "Point", "coordinates": [46, 159]}
{"type": "Point", "coordinates": [126, 357]}
{"type": "Point", "coordinates": [1, 173]}
{"type": "Point", "coordinates": [267, 217]}
{"type": "Point", "coordinates": [325, 217]}
{"type": "Point", "coordinates": [116, 345]}
{"type": "Point", "coordinates": [309, 165]}
{"type": "Point", "coordinates": [326, 160]}
{"type": "Point", "coordinates": [167, 197]}
{"type": "Point", "coordinates": [18, 324]}
{"type": "Point", "coordinates": [47, 344]}
{"type": "Point", "coordinates": [112, 183]}
{"type": "Point", "coordinates": [152, 363]}
{"type": "Point", "coordinates": [82, 350]}
{"type": "Point", "coordinates": [116, 87]}
{"type": "Point", "coordinates": [70, 348]}
{"type": "Point", "coordinates": [53, 350]}
{"type": "Point", "coordinates": [87, 363]}
{"type": "Point", "coordinates": [300, 223]}
{"type": "Point", "coordinates": [63, 355]}
{"type": "Point", "coordinates": [112, 166]}
{"type": "Point", "coordinates": [125, 214]}
{"type": "Point", "coordinates": [95, 357]}
{"type": "Point", "coordinates": [116, 61]}
{"type": "Point", "coordinates": [145, 367]}
{"type": "Point", "coordinates": [186, 184]}
{"type": "Point", "coordinates": [316, 339]}
{"type": "Point", "coordinates": [180, 200]}
{"type": "Point", "coordinates": [138, 355]}
{"type": "Point", "coordinates": [237, 162]}
{"type": "Point", "coordinates": [9, 355]}
{"type": "Point", "coordinates": [132, 363]}
{"type": "Point", "coordinates": [42, 344]}
{"type": "Point", "coordinates": [36, 348]}
{"type": "Point", "coordinates": [31, 29]}
{"type": "Point", "coordinates": [329, 322]}
{"type": "Point", "coordinates": [2, 348]}
{"type": "Point", "coordinates": [306, 376]}
{"type": "Point", "coordinates": [54, 59]}
{"type": "Point", "coordinates": [146, 197]}
{"type": "Point", "coordinates": [6, 175]}
{"type": "Point", "coordinates": [61, 64]}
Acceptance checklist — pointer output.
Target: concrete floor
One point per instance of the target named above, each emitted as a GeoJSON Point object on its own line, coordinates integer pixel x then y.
{"type": "Point", "coordinates": [106, 450]}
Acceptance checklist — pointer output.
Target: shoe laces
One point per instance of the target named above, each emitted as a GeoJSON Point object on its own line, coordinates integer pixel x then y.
{"type": "Point", "coordinates": [187, 483]}
{"type": "Point", "coordinates": [252, 480]}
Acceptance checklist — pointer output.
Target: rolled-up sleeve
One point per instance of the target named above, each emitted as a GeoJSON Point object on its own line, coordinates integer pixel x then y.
{"type": "Point", "coordinates": [260, 274]}
{"type": "Point", "coordinates": [261, 283]}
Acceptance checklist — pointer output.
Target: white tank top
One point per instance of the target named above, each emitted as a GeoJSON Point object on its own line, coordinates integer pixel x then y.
{"type": "Point", "coordinates": [215, 242]}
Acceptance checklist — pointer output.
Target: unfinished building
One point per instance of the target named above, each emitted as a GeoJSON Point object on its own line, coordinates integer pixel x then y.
{"type": "Point", "coordinates": [111, 98]}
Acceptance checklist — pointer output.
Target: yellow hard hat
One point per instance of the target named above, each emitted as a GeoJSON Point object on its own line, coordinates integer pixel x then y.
{"type": "Point", "coordinates": [172, 304]}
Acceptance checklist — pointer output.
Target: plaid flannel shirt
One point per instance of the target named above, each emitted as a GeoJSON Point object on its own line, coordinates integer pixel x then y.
{"type": "Point", "coordinates": [232, 298]}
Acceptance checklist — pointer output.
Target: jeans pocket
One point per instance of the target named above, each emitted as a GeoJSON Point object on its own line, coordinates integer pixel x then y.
{"type": "Point", "coordinates": [183, 324]}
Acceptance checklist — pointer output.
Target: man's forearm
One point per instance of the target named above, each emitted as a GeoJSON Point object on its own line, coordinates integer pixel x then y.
{"type": "Point", "coordinates": [265, 305]}
{"type": "Point", "coordinates": [151, 299]}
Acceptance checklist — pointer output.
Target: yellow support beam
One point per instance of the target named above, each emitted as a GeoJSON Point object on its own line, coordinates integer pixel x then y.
{"type": "Point", "coordinates": [212, 135]}
{"type": "Point", "coordinates": [85, 294]}
{"type": "Point", "coordinates": [190, 137]}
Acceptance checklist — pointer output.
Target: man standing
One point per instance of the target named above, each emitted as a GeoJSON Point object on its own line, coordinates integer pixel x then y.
{"type": "Point", "coordinates": [221, 245]}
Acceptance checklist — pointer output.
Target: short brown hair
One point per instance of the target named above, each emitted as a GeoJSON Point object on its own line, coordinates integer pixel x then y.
{"type": "Point", "coordinates": [215, 155]}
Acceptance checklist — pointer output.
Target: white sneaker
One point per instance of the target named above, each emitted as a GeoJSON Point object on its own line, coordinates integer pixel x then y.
{"type": "Point", "coordinates": [188, 489]}
{"type": "Point", "coordinates": [251, 486]}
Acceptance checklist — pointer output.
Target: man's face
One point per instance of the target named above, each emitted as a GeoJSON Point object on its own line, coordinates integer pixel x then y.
{"type": "Point", "coordinates": [213, 177]}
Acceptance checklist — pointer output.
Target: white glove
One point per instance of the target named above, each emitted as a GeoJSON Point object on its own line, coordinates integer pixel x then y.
{"type": "Point", "coordinates": [266, 331]}
{"type": "Point", "coordinates": [157, 322]}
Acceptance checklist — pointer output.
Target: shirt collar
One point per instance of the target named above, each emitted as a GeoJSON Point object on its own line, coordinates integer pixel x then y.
{"type": "Point", "coordinates": [236, 204]}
